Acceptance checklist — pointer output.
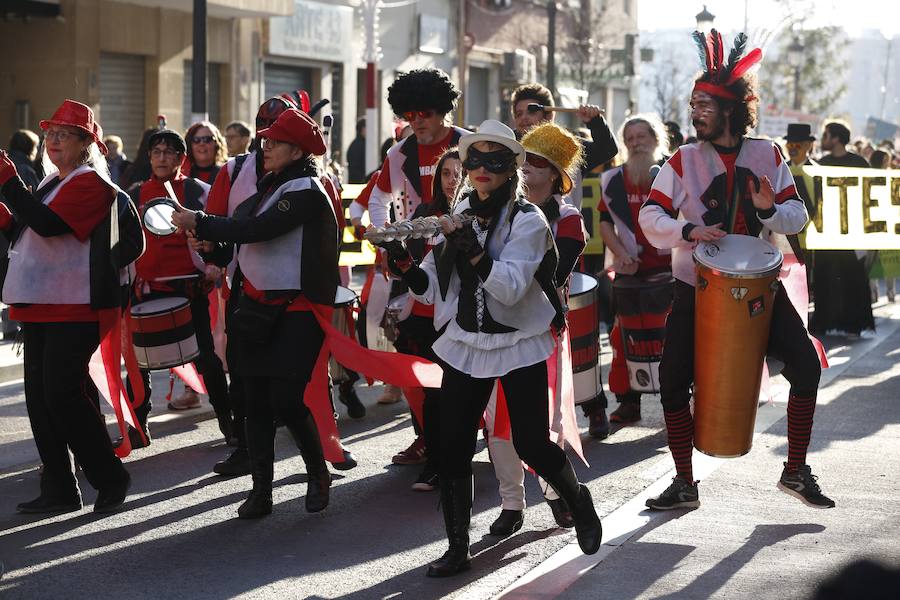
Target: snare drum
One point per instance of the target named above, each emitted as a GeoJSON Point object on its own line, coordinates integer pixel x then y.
{"type": "Point", "coordinates": [583, 320]}
{"type": "Point", "coordinates": [163, 333]}
{"type": "Point", "coordinates": [642, 306]}
{"type": "Point", "coordinates": [737, 278]}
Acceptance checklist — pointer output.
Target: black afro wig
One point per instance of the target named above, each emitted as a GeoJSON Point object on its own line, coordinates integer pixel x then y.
{"type": "Point", "coordinates": [422, 89]}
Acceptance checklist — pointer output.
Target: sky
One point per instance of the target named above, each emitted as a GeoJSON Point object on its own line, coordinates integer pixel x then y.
{"type": "Point", "coordinates": [853, 15]}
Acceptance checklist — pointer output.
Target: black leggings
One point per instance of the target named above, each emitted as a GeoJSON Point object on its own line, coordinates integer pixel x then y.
{"type": "Point", "coordinates": [60, 409]}
{"type": "Point", "coordinates": [788, 342]}
{"type": "Point", "coordinates": [462, 404]}
{"type": "Point", "coordinates": [417, 336]}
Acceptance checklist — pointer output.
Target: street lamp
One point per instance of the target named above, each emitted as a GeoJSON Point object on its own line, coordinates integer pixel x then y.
{"type": "Point", "coordinates": [795, 59]}
{"type": "Point", "coordinates": [705, 20]}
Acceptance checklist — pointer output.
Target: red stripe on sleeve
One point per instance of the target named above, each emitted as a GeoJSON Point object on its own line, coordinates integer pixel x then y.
{"type": "Point", "coordinates": [786, 194]}
{"type": "Point", "coordinates": [363, 197]}
{"type": "Point", "coordinates": [384, 177]}
{"type": "Point", "coordinates": [661, 199]}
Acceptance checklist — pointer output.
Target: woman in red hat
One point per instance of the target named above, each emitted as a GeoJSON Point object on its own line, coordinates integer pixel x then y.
{"type": "Point", "coordinates": [59, 280]}
{"type": "Point", "coordinates": [287, 257]}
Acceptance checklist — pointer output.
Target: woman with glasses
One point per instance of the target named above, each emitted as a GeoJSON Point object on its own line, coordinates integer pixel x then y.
{"type": "Point", "coordinates": [62, 286]}
{"type": "Point", "coordinates": [169, 267]}
{"type": "Point", "coordinates": [207, 151]}
{"type": "Point", "coordinates": [287, 255]}
{"type": "Point", "coordinates": [491, 281]}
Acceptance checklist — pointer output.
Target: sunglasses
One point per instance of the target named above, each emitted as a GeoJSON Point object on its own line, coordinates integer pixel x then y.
{"type": "Point", "coordinates": [498, 161]}
{"type": "Point", "coordinates": [538, 162]}
{"type": "Point", "coordinates": [202, 139]}
{"type": "Point", "coordinates": [411, 116]}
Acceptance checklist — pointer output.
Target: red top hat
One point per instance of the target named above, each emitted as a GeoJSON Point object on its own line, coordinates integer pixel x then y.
{"type": "Point", "coordinates": [75, 114]}
{"type": "Point", "coordinates": [298, 128]}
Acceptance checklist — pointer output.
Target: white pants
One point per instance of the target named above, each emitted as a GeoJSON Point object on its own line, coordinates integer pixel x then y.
{"type": "Point", "coordinates": [508, 466]}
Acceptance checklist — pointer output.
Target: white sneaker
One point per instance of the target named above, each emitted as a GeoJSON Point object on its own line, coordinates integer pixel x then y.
{"type": "Point", "coordinates": [186, 401]}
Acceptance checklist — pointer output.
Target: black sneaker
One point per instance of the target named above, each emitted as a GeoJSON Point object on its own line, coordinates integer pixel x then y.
{"type": "Point", "coordinates": [347, 395]}
{"type": "Point", "coordinates": [427, 481]}
{"type": "Point", "coordinates": [235, 465]}
{"type": "Point", "coordinates": [802, 485]}
{"type": "Point", "coordinates": [681, 494]}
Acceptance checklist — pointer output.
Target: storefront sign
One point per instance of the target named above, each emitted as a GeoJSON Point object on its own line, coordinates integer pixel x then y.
{"type": "Point", "coordinates": [315, 30]}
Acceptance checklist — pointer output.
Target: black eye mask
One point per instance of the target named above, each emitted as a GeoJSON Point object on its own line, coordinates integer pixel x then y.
{"type": "Point", "coordinates": [498, 161]}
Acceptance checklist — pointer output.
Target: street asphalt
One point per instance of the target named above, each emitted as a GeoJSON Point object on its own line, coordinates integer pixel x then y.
{"type": "Point", "coordinates": [179, 536]}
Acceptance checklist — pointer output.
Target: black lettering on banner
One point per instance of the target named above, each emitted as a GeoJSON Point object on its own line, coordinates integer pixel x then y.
{"type": "Point", "coordinates": [895, 198]}
{"type": "Point", "coordinates": [842, 183]}
{"type": "Point", "coordinates": [818, 200]}
{"type": "Point", "coordinates": [868, 203]}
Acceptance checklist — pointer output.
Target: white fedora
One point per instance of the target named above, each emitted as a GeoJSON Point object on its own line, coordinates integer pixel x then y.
{"type": "Point", "coordinates": [493, 131]}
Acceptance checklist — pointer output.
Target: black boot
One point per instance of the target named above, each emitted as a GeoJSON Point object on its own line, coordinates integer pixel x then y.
{"type": "Point", "coordinates": [261, 446]}
{"type": "Point", "coordinates": [456, 502]}
{"type": "Point", "coordinates": [306, 434]}
{"type": "Point", "coordinates": [235, 465]}
{"type": "Point", "coordinates": [578, 497]}
{"type": "Point", "coordinates": [509, 522]}
{"type": "Point", "coordinates": [595, 411]}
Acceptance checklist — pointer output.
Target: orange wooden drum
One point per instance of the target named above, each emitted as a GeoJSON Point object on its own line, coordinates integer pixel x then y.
{"type": "Point", "coordinates": [737, 277]}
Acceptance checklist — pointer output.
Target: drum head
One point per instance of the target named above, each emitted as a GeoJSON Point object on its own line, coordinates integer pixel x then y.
{"type": "Point", "coordinates": [739, 255]}
{"type": "Point", "coordinates": [158, 306]}
{"type": "Point", "coordinates": [344, 296]}
{"type": "Point", "coordinates": [157, 217]}
{"type": "Point", "coordinates": [581, 283]}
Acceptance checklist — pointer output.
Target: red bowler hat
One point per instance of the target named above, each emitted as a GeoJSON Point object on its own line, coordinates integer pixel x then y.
{"type": "Point", "coordinates": [298, 128]}
{"type": "Point", "coordinates": [75, 114]}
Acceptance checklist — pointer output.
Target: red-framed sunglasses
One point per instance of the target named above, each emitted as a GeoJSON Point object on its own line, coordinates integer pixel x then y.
{"type": "Point", "coordinates": [536, 161]}
{"type": "Point", "coordinates": [411, 116]}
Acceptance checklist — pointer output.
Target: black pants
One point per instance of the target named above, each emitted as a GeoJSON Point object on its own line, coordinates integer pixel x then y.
{"type": "Point", "coordinates": [788, 342]}
{"type": "Point", "coordinates": [463, 400]}
{"type": "Point", "coordinates": [235, 384]}
{"type": "Point", "coordinates": [268, 396]}
{"type": "Point", "coordinates": [61, 412]}
{"type": "Point", "coordinates": [416, 337]}
{"type": "Point", "coordinates": [208, 363]}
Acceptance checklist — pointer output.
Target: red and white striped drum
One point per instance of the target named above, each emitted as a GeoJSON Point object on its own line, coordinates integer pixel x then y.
{"type": "Point", "coordinates": [643, 303]}
{"type": "Point", "coordinates": [584, 336]}
{"type": "Point", "coordinates": [163, 333]}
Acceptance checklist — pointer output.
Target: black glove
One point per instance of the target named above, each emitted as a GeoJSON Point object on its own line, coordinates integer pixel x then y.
{"type": "Point", "coordinates": [397, 254]}
{"type": "Point", "coordinates": [465, 240]}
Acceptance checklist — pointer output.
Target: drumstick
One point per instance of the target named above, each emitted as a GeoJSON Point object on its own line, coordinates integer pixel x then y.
{"type": "Point", "coordinates": [535, 107]}
{"type": "Point", "coordinates": [170, 191]}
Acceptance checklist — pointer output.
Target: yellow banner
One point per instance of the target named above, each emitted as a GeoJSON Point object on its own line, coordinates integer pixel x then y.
{"type": "Point", "coordinates": [590, 199]}
{"type": "Point", "coordinates": [353, 251]}
{"type": "Point", "coordinates": [855, 209]}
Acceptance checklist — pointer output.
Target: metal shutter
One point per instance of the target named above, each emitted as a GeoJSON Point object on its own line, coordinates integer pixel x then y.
{"type": "Point", "coordinates": [280, 79]}
{"type": "Point", "coordinates": [213, 94]}
{"type": "Point", "coordinates": [121, 109]}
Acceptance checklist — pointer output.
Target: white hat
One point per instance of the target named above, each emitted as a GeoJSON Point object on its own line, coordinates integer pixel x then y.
{"type": "Point", "coordinates": [493, 131]}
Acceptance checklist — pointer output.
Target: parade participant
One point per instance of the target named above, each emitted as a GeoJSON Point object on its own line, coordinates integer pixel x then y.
{"type": "Point", "coordinates": [416, 332]}
{"type": "Point", "coordinates": [423, 98]}
{"type": "Point", "coordinates": [698, 184]}
{"type": "Point", "coordinates": [491, 281]}
{"type": "Point", "coordinates": [599, 150]}
{"type": "Point", "coordinates": [529, 105]}
{"type": "Point", "coordinates": [840, 278]}
{"type": "Point", "coordinates": [287, 236]}
{"type": "Point", "coordinates": [625, 189]}
{"type": "Point", "coordinates": [61, 285]}
{"type": "Point", "coordinates": [552, 158]}
{"type": "Point", "coordinates": [169, 267]}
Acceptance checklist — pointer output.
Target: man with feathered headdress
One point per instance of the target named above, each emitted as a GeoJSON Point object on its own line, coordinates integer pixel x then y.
{"type": "Point", "coordinates": [728, 183]}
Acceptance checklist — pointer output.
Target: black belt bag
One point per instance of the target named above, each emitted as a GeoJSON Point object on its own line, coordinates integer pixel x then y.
{"type": "Point", "coordinates": [254, 321]}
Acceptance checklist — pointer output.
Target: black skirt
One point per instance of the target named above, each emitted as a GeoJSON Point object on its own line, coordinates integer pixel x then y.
{"type": "Point", "coordinates": [291, 353]}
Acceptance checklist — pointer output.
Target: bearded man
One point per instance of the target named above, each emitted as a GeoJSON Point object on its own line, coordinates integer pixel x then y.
{"type": "Point", "coordinates": [728, 183]}
{"type": "Point", "coordinates": [625, 190]}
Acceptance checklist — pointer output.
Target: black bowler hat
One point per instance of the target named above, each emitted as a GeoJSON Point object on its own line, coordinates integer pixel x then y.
{"type": "Point", "coordinates": [799, 132]}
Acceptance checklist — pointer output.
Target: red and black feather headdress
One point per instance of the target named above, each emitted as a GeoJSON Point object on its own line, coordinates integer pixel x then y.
{"type": "Point", "coordinates": [722, 73]}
